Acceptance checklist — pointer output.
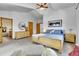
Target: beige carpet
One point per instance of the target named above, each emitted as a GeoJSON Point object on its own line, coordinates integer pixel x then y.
{"type": "Point", "coordinates": [68, 47]}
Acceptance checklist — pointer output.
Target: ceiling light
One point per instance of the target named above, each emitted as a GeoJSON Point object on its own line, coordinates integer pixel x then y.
{"type": "Point", "coordinates": [42, 6]}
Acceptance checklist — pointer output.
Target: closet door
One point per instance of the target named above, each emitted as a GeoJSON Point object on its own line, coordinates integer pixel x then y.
{"type": "Point", "coordinates": [38, 28]}
{"type": "Point", "coordinates": [30, 28]}
{"type": "Point", "coordinates": [0, 29]}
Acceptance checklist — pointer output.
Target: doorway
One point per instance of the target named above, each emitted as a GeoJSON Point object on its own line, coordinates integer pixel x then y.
{"type": "Point", "coordinates": [7, 27]}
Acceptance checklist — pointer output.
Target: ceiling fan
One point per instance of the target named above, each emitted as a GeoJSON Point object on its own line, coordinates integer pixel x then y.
{"type": "Point", "coordinates": [42, 5]}
{"type": "Point", "coordinates": [77, 6]}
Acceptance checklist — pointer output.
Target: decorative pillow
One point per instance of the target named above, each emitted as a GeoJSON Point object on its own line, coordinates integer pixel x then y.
{"type": "Point", "coordinates": [48, 31]}
{"type": "Point", "coordinates": [52, 31]}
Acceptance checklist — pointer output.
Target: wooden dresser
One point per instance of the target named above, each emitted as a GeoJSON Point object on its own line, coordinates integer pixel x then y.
{"type": "Point", "coordinates": [1, 38]}
{"type": "Point", "coordinates": [70, 37]}
{"type": "Point", "coordinates": [22, 34]}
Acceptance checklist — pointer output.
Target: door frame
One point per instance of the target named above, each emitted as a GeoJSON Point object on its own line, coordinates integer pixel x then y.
{"type": "Point", "coordinates": [11, 23]}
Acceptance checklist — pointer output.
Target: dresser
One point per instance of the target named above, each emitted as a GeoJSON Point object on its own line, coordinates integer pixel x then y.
{"type": "Point", "coordinates": [22, 34]}
{"type": "Point", "coordinates": [70, 37]}
{"type": "Point", "coordinates": [1, 37]}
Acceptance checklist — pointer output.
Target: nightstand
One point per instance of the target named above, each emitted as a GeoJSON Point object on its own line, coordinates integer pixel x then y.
{"type": "Point", "coordinates": [70, 37]}
{"type": "Point", "coordinates": [10, 34]}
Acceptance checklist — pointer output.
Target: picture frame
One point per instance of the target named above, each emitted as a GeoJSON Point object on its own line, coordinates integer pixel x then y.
{"type": "Point", "coordinates": [55, 23]}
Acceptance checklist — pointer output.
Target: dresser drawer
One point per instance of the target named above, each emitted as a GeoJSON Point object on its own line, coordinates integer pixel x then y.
{"type": "Point", "coordinates": [27, 33]}
{"type": "Point", "coordinates": [70, 37]}
{"type": "Point", "coordinates": [22, 34]}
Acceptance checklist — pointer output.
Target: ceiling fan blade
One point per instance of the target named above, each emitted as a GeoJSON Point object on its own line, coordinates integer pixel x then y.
{"type": "Point", "coordinates": [77, 6]}
{"type": "Point", "coordinates": [45, 3]}
{"type": "Point", "coordinates": [46, 7]}
{"type": "Point", "coordinates": [38, 4]}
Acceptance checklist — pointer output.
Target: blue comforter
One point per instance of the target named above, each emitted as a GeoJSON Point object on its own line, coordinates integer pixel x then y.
{"type": "Point", "coordinates": [55, 36]}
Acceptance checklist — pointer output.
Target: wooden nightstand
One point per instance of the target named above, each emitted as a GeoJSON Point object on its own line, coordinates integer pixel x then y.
{"type": "Point", "coordinates": [69, 37]}
{"type": "Point", "coordinates": [10, 34]}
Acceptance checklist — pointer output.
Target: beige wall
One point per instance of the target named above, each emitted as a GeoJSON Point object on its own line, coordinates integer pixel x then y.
{"type": "Point", "coordinates": [17, 18]}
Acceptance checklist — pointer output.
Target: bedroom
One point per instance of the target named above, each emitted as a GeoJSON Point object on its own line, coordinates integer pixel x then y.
{"type": "Point", "coordinates": [28, 20]}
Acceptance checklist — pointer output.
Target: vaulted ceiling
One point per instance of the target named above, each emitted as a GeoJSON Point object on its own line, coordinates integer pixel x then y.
{"type": "Point", "coordinates": [10, 7]}
{"type": "Point", "coordinates": [27, 7]}
{"type": "Point", "coordinates": [62, 5]}
{"type": "Point", "coordinates": [50, 5]}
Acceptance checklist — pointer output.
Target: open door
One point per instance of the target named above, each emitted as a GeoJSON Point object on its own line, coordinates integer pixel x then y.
{"type": "Point", "coordinates": [38, 28]}
{"type": "Point", "coordinates": [30, 28]}
{"type": "Point", "coordinates": [0, 30]}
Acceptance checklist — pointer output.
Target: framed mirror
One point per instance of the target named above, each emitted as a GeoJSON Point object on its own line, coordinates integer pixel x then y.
{"type": "Point", "coordinates": [21, 25]}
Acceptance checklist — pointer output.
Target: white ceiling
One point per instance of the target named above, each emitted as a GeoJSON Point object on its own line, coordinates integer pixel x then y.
{"type": "Point", "coordinates": [50, 5]}
{"type": "Point", "coordinates": [10, 7]}
{"type": "Point", "coordinates": [61, 5]}
{"type": "Point", "coordinates": [27, 7]}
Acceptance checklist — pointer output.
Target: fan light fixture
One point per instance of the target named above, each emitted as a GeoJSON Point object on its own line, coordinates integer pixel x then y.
{"type": "Point", "coordinates": [77, 6]}
{"type": "Point", "coordinates": [42, 6]}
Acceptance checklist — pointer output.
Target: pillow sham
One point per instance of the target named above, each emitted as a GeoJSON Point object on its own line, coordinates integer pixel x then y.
{"type": "Point", "coordinates": [57, 32]}
{"type": "Point", "coordinates": [48, 31]}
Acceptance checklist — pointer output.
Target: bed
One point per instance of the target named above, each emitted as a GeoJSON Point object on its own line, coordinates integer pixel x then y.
{"type": "Point", "coordinates": [51, 38]}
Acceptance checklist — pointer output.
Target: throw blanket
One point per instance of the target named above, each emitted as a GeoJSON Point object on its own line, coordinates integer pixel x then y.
{"type": "Point", "coordinates": [75, 52]}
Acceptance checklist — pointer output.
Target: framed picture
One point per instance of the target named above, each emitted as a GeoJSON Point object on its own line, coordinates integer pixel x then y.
{"type": "Point", "coordinates": [55, 23]}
